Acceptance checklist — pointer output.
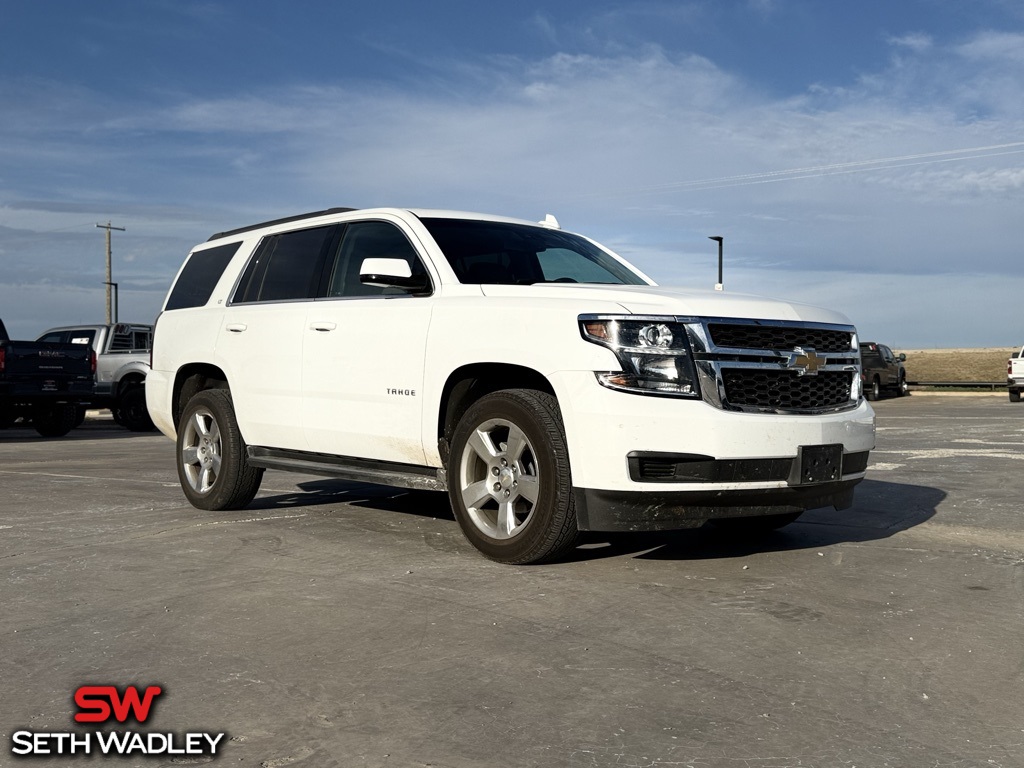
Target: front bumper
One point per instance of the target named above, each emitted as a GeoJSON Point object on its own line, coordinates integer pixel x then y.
{"type": "Point", "coordinates": [649, 463]}
{"type": "Point", "coordinates": [598, 510]}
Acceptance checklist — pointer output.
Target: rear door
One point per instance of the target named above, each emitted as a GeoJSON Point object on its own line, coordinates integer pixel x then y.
{"type": "Point", "coordinates": [260, 341]}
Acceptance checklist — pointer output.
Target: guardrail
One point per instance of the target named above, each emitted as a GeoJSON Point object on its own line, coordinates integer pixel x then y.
{"type": "Point", "coordinates": [990, 385]}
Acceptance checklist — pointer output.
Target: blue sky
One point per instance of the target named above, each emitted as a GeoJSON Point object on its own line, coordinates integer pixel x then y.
{"type": "Point", "coordinates": [867, 156]}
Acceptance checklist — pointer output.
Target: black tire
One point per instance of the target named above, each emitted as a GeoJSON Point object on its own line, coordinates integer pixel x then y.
{"type": "Point", "coordinates": [510, 446]}
{"type": "Point", "coordinates": [901, 388]}
{"type": "Point", "coordinates": [55, 420]}
{"type": "Point", "coordinates": [131, 411]}
{"type": "Point", "coordinates": [756, 525]}
{"type": "Point", "coordinates": [874, 390]}
{"type": "Point", "coordinates": [80, 412]}
{"type": "Point", "coordinates": [1014, 395]}
{"type": "Point", "coordinates": [212, 466]}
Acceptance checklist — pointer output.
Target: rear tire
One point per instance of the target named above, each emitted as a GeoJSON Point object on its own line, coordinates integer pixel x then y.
{"type": "Point", "coordinates": [509, 479]}
{"type": "Point", "coordinates": [1014, 395]}
{"type": "Point", "coordinates": [56, 420]}
{"type": "Point", "coordinates": [213, 469]}
{"type": "Point", "coordinates": [132, 411]}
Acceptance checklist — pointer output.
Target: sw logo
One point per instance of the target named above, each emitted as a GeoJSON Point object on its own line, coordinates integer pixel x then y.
{"type": "Point", "coordinates": [106, 703]}
{"type": "Point", "coordinates": [98, 703]}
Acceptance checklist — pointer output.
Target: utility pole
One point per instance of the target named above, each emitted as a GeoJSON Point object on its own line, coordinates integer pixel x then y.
{"type": "Point", "coordinates": [109, 227]}
{"type": "Point", "coordinates": [718, 238]}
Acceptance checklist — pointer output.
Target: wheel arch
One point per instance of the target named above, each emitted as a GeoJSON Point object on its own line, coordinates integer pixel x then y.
{"type": "Point", "coordinates": [130, 379]}
{"type": "Point", "coordinates": [469, 383]}
{"type": "Point", "coordinates": [191, 379]}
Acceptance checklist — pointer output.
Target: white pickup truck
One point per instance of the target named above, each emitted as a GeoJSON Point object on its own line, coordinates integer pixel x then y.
{"type": "Point", "coordinates": [1015, 375]}
{"type": "Point", "coordinates": [542, 381]}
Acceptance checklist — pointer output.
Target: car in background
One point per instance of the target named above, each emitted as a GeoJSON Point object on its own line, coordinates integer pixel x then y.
{"type": "Point", "coordinates": [1015, 375]}
{"type": "Point", "coordinates": [122, 355]}
{"type": "Point", "coordinates": [882, 371]}
{"type": "Point", "coordinates": [44, 383]}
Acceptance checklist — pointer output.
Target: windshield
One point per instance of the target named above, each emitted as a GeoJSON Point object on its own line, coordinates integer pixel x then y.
{"type": "Point", "coordinates": [492, 253]}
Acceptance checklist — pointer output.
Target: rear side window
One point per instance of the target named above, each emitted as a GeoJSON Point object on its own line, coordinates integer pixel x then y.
{"type": "Point", "coordinates": [70, 337]}
{"type": "Point", "coordinates": [128, 339]}
{"type": "Point", "coordinates": [285, 266]}
{"type": "Point", "coordinates": [199, 276]}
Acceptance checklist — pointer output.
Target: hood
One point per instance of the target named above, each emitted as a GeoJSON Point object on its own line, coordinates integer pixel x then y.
{"type": "Point", "coordinates": [667, 300]}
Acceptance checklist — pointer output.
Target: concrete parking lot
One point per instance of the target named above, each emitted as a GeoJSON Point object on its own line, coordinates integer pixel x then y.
{"type": "Point", "coordinates": [335, 624]}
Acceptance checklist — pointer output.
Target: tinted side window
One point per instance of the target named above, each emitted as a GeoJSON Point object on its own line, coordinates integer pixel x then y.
{"type": "Point", "coordinates": [285, 266]}
{"type": "Point", "coordinates": [200, 275]}
{"type": "Point", "coordinates": [364, 240]}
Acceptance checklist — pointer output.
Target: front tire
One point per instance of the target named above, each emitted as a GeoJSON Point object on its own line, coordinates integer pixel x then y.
{"type": "Point", "coordinates": [509, 478]}
{"type": "Point", "coordinates": [212, 466]}
{"type": "Point", "coordinates": [874, 390]}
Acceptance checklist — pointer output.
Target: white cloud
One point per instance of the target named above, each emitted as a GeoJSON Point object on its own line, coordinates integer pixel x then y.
{"type": "Point", "coordinates": [848, 183]}
{"type": "Point", "coordinates": [918, 42]}
{"type": "Point", "coordinates": [992, 46]}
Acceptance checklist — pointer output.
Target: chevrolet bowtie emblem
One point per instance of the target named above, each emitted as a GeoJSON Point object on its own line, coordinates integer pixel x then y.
{"type": "Point", "coordinates": [805, 361]}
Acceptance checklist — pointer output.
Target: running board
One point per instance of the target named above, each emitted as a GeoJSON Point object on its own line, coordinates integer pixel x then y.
{"type": "Point", "coordinates": [350, 468]}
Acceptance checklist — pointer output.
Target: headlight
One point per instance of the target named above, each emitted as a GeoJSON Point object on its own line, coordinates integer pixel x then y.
{"type": "Point", "coordinates": [653, 352]}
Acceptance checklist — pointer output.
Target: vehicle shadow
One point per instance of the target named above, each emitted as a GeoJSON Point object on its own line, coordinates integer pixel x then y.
{"type": "Point", "coordinates": [881, 509]}
{"type": "Point", "coordinates": [431, 504]}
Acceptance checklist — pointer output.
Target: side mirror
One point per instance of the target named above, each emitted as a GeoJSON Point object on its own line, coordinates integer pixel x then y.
{"type": "Point", "coordinates": [392, 273]}
{"type": "Point", "coordinates": [903, 358]}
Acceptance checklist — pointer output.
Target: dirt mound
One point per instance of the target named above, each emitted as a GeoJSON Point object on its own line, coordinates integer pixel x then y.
{"type": "Point", "coordinates": [984, 364]}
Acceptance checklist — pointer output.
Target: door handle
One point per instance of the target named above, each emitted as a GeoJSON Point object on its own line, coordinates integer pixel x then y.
{"type": "Point", "coordinates": [236, 327]}
{"type": "Point", "coordinates": [322, 326]}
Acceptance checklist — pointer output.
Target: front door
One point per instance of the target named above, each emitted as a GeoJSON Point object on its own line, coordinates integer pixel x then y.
{"type": "Point", "coordinates": [363, 354]}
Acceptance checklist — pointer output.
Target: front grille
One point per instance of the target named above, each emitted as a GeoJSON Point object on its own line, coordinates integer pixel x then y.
{"type": "Point", "coordinates": [774, 389]}
{"type": "Point", "coordinates": [740, 336]}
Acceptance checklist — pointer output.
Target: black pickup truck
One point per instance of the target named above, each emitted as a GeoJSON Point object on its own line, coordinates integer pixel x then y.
{"type": "Point", "coordinates": [44, 383]}
{"type": "Point", "coordinates": [882, 370]}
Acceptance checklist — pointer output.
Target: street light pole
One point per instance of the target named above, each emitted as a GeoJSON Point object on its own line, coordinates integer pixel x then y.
{"type": "Point", "coordinates": [109, 227]}
{"type": "Point", "coordinates": [718, 238]}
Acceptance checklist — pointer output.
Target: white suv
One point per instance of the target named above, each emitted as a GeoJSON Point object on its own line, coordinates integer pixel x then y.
{"type": "Point", "coordinates": [548, 385]}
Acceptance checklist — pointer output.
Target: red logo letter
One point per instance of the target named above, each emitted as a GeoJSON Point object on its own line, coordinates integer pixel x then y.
{"type": "Point", "coordinates": [92, 701]}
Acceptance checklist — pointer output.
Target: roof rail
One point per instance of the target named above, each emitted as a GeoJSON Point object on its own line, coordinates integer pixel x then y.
{"type": "Point", "coordinates": [285, 220]}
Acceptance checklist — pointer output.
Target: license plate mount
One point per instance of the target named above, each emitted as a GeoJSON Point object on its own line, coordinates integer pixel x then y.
{"type": "Point", "coordinates": [818, 464]}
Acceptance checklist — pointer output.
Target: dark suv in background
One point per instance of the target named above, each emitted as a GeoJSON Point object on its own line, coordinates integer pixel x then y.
{"type": "Point", "coordinates": [882, 370]}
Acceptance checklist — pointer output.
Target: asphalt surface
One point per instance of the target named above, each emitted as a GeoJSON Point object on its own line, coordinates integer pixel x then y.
{"type": "Point", "coordinates": [335, 624]}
